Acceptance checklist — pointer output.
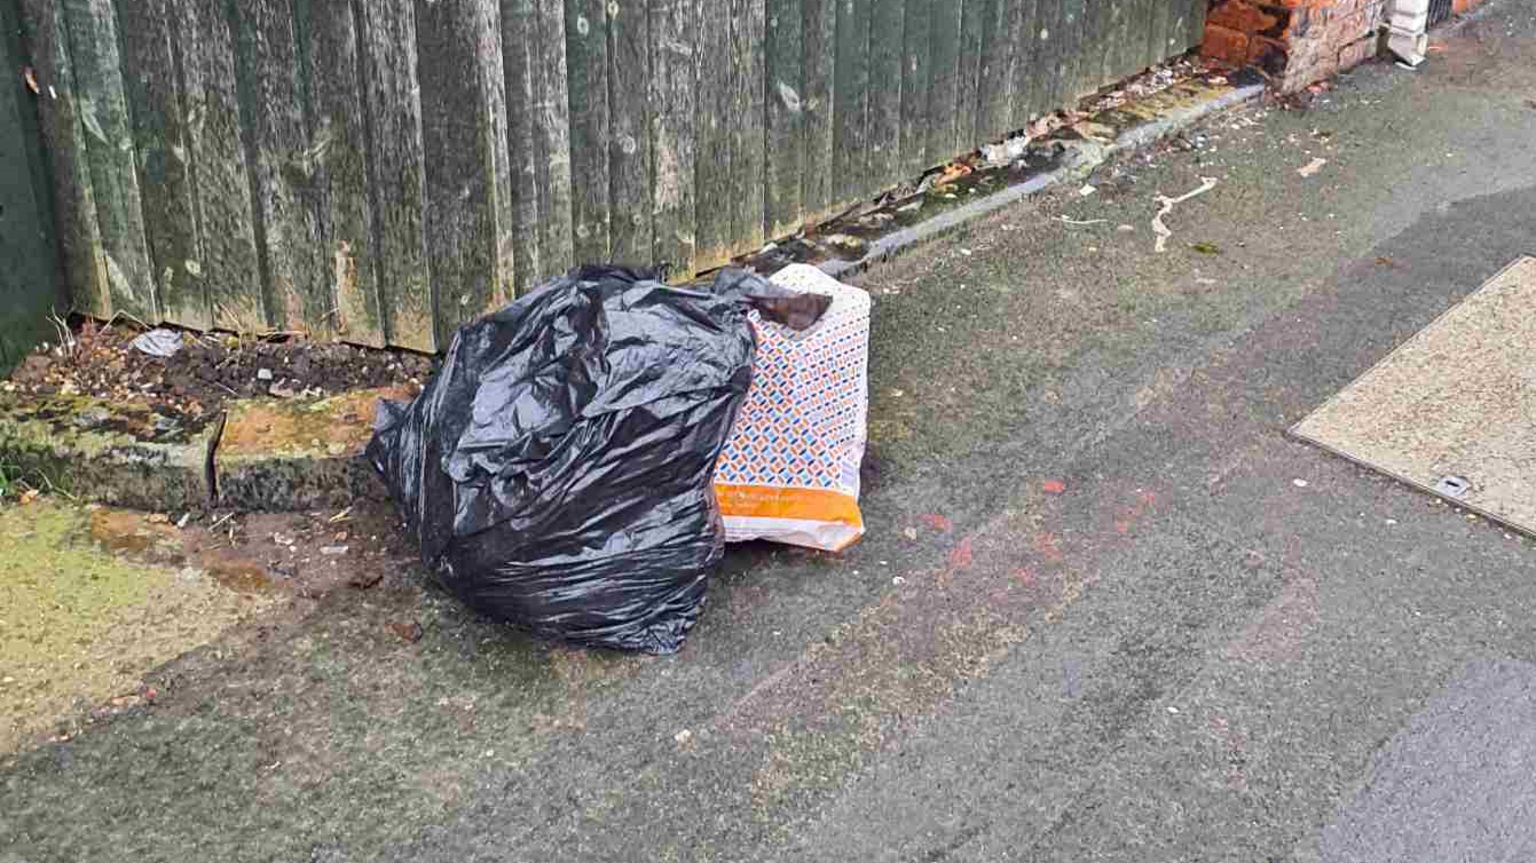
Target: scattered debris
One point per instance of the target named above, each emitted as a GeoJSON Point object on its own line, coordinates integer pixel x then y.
{"type": "Point", "coordinates": [682, 737]}
{"type": "Point", "coordinates": [1206, 248]}
{"type": "Point", "coordinates": [1087, 189]}
{"type": "Point", "coordinates": [1053, 486]}
{"type": "Point", "coordinates": [1312, 167]}
{"type": "Point", "coordinates": [159, 342]}
{"type": "Point", "coordinates": [263, 374]}
{"type": "Point", "coordinates": [334, 550]}
{"type": "Point", "coordinates": [1167, 205]}
{"type": "Point", "coordinates": [408, 632]}
{"type": "Point", "coordinates": [30, 76]}
{"type": "Point", "coordinates": [196, 382]}
{"type": "Point", "coordinates": [1071, 221]}
{"type": "Point", "coordinates": [1299, 483]}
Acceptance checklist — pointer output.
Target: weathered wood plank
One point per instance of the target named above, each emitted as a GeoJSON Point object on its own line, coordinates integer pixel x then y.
{"type": "Point", "coordinates": [520, 56]}
{"type": "Point", "coordinates": [715, 191]}
{"type": "Point", "coordinates": [1157, 32]}
{"type": "Point", "coordinates": [396, 169]}
{"type": "Point", "coordinates": [227, 263]}
{"type": "Point", "coordinates": [1012, 116]}
{"type": "Point", "coordinates": [1022, 69]}
{"type": "Point", "coordinates": [337, 162]}
{"type": "Point", "coordinates": [850, 102]}
{"type": "Point", "coordinates": [150, 33]}
{"type": "Point", "coordinates": [674, 112]}
{"type": "Point", "coordinates": [74, 205]}
{"type": "Point", "coordinates": [968, 76]}
{"type": "Point", "coordinates": [994, 89]}
{"type": "Point", "coordinates": [552, 138]}
{"type": "Point", "coordinates": [915, 71]}
{"type": "Point", "coordinates": [103, 111]}
{"type": "Point", "coordinates": [464, 140]}
{"type": "Point", "coordinates": [944, 80]}
{"type": "Point", "coordinates": [586, 51]}
{"type": "Point", "coordinates": [277, 152]}
{"type": "Point", "coordinates": [1045, 80]}
{"type": "Point", "coordinates": [1072, 26]}
{"type": "Point", "coordinates": [1068, 52]}
{"type": "Point", "coordinates": [1195, 23]}
{"type": "Point", "coordinates": [629, 148]}
{"type": "Point", "coordinates": [29, 281]}
{"type": "Point", "coordinates": [817, 103]}
{"type": "Point", "coordinates": [786, 115]}
{"type": "Point", "coordinates": [887, 18]}
{"type": "Point", "coordinates": [748, 153]}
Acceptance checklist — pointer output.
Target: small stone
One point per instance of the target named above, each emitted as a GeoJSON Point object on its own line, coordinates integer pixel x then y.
{"type": "Point", "coordinates": [1299, 483]}
{"type": "Point", "coordinates": [682, 737]}
{"type": "Point", "coordinates": [334, 550]}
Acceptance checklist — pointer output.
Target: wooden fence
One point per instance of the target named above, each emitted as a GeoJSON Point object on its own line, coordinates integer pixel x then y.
{"type": "Point", "coordinates": [29, 276]}
{"type": "Point", "coordinates": [380, 170]}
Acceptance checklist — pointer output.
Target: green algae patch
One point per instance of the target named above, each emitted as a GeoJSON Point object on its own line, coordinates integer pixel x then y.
{"type": "Point", "coordinates": [83, 618]}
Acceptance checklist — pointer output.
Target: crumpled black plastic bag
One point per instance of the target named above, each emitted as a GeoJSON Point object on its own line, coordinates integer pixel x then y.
{"type": "Point", "coordinates": [557, 469]}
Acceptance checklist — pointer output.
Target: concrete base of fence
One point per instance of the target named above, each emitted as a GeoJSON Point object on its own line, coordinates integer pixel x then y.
{"type": "Point", "coordinates": [274, 455]}
{"type": "Point", "coordinates": [1084, 155]}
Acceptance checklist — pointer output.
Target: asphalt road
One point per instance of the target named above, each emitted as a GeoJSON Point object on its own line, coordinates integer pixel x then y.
{"type": "Point", "coordinates": [1217, 644]}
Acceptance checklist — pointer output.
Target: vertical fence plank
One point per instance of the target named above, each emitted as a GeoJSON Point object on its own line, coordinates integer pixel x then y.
{"type": "Point", "coordinates": [887, 19]}
{"type": "Point", "coordinates": [277, 152]}
{"type": "Point", "coordinates": [914, 87]}
{"type": "Point", "coordinates": [396, 168]}
{"type": "Point", "coordinates": [149, 31]}
{"type": "Point", "coordinates": [224, 214]}
{"type": "Point", "coordinates": [1026, 48]}
{"type": "Point", "coordinates": [748, 157]}
{"type": "Point", "coordinates": [943, 82]}
{"type": "Point", "coordinates": [786, 114]}
{"type": "Point", "coordinates": [817, 103]}
{"type": "Point", "coordinates": [98, 85]}
{"type": "Point", "coordinates": [850, 101]}
{"type": "Point", "coordinates": [519, 41]}
{"type": "Point", "coordinates": [464, 141]}
{"type": "Point", "coordinates": [1044, 85]}
{"type": "Point", "coordinates": [29, 281]}
{"type": "Point", "coordinates": [1070, 46]}
{"type": "Point", "coordinates": [629, 148]}
{"type": "Point", "coordinates": [715, 193]}
{"type": "Point", "coordinates": [968, 76]}
{"type": "Point", "coordinates": [1157, 32]}
{"type": "Point", "coordinates": [1195, 23]}
{"type": "Point", "coordinates": [74, 205]}
{"type": "Point", "coordinates": [337, 164]}
{"type": "Point", "coordinates": [586, 51]}
{"type": "Point", "coordinates": [552, 138]}
{"type": "Point", "coordinates": [674, 110]}
{"type": "Point", "coordinates": [992, 115]}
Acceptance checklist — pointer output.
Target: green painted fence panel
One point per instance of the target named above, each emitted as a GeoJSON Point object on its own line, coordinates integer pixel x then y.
{"type": "Point", "coordinates": [379, 171]}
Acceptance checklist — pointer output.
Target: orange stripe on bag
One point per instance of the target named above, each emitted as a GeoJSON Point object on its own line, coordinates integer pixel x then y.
{"type": "Point", "coordinates": [808, 504]}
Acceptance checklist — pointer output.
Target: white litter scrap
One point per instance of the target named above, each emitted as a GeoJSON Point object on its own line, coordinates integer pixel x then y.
{"type": "Point", "coordinates": [1312, 167]}
{"type": "Point", "coordinates": [158, 342]}
{"type": "Point", "coordinates": [1206, 184]}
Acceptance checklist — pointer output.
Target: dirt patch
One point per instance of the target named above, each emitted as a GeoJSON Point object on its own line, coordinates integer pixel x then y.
{"type": "Point", "coordinates": [207, 370]}
{"type": "Point", "coordinates": [94, 598]}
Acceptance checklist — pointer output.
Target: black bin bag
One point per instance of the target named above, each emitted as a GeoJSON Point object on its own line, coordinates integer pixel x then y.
{"type": "Point", "coordinates": [557, 469]}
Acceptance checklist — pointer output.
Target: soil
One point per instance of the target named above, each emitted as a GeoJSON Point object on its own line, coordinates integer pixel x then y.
{"type": "Point", "coordinates": [209, 370]}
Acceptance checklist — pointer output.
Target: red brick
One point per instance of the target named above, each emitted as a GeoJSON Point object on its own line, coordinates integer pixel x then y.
{"type": "Point", "coordinates": [1241, 16]}
{"type": "Point", "coordinates": [1226, 45]}
{"type": "Point", "coordinates": [1358, 52]}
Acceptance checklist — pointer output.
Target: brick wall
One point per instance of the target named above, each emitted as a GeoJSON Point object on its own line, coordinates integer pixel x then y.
{"type": "Point", "coordinates": [1296, 42]}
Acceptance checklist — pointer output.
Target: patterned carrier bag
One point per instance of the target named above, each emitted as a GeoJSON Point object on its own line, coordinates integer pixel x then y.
{"type": "Point", "coordinates": [790, 469]}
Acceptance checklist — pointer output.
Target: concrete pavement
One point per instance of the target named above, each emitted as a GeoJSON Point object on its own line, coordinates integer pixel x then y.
{"type": "Point", "coordinates": [1186, 655]}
